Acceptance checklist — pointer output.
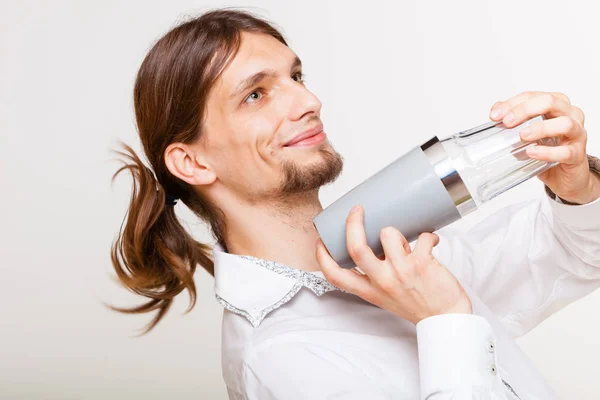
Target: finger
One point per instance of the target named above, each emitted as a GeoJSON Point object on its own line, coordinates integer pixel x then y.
{"type": "Point", "coordinates": [567, 154]}
{"type": "Point", "coordinates": [559, 126]}
{"type": "Point", "coordinates": [562, 96]}
{"type": "Point", "coordinates": [356, 242]}
{"type": "Point", "coordinates": [496, 104]}
{"type": "Point", "coordinates": [345, 279]}
{"type": "Point", "coordinates": [499, 109]}
{"type": "Point", "coordinates": [578, 115]}
{"type": "Point", "coordinates": [425, 244]}
{"type": "Point", "coordinates": [395, 246]}
{"type": "Point", "coordinates": [544, 104]}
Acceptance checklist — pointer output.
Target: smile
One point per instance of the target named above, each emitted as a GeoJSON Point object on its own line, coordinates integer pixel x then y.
{"type": "Point", "coordinates": [318, 138]}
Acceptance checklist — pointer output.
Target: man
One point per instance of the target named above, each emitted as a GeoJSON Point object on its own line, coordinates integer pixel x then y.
{"type": "Point", "coordinates": [436, 321]}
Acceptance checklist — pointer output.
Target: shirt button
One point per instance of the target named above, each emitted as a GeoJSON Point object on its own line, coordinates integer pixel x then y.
{"type": "Point", "coordinates": [493, 369]}
{"type": "Point", "coordinates": [491, 347]}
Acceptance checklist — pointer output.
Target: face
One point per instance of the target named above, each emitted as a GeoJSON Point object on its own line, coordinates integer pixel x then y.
{"type": "Point", "coordinates": [258, 105]}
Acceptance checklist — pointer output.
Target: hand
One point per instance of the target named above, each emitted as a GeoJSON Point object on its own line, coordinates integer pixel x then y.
{"type": "Point", "coordinates": [571, 180]}
{"type": "Point", "coordinates": [410, 284]}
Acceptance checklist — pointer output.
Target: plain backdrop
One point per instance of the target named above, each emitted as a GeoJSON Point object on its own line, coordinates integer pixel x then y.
{"type": "Point", "coordinates": [390, 76]}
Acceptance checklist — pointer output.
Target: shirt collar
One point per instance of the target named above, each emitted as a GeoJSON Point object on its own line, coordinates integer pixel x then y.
{"type": "Point", "coordinates": [254, 287]}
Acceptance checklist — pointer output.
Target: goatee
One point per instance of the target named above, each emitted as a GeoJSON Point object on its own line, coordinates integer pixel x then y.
{"type": "Point", "coordinates": [302, 179]}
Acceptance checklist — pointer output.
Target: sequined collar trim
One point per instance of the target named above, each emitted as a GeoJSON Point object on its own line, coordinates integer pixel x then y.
{"type": "Point", "coordinates": [311, 280]}
{"type": "Point", "coordinates": [255, 321]}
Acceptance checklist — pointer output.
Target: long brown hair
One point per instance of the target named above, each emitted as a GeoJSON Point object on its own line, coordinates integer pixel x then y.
{"type": "Point", "coordinates": [154, 255]}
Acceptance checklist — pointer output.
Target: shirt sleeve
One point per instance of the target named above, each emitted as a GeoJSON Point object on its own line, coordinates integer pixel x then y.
{"type": "Point", "coordinates": [299, 371]}
{"type": "Point", "coordinates": [527, 260]}
{"type": "Point", "coordinates": [457, 358]}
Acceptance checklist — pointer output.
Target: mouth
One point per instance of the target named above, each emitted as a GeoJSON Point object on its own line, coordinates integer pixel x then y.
{"type": "Point", "coordinates": [309, 137]}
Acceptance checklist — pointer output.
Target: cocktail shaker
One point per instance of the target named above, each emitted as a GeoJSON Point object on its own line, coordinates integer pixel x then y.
{"type": "Point", "coordinates": [433, 185]}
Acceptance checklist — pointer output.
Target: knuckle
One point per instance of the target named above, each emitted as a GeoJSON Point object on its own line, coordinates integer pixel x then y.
{"type": "Point", "coordinates": [562, 96]}
{"type": "Point", "coordinates": [548, 99]}
{"type": "Point", "coordinates": [578, 153]}
{"type": "Point", "coordinates": [402, 277]}
{"type": "Point", "coordinates": [388, 286]}
{"type": "Point", "coordinates": [579, 113]}
{"type": "Point", "coordinates": [569, 123]}
{"type": "Point", "coordinates": [420, 261]}
{"type": "Point", "coordinates": [526, 96]}
{"type": "Point", "coordinates": [421, 266]}
{"type": "Point", "coordinates": [355, 250]}
{"type": "Point", "coordinates": [570, 152]}
{"type": "Point", "coordinates": [537, 128]}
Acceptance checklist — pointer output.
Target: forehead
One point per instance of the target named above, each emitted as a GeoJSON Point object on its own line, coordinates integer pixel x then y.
{"type": "Point", "coordinates": [257, 52]}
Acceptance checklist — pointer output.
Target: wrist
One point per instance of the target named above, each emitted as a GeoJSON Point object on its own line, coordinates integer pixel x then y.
{"type": "Point", "coordinates": [463, 306]}
{"type": "Point", "coordinates": [595, 184]}
{"type": "Point", "coordinates": [589, 194]}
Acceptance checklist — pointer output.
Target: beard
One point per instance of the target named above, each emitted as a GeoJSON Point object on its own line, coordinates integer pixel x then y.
{"type": "Point", "coordinates": [304, 178]}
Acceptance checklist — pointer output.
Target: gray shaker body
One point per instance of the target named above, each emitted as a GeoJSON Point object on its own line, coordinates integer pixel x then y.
{"type": "Point", "coordinates": [418, 192]}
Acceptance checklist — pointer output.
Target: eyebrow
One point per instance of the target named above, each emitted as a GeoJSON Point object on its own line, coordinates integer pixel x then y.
{"type": "Point", "coordinates": [253, 79]}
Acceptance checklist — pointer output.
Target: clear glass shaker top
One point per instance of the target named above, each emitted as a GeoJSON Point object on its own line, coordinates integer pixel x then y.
{"type": "Point", "coordinates": [491, 158]}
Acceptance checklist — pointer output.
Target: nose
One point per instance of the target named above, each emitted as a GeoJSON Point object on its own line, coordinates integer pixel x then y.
{"type": "Point", "coordinates": [303, 102]}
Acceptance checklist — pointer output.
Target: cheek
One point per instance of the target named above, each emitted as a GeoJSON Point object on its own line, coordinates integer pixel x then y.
{"type": "Point", "coordinates": [259, 136]}
{"type": "Point", "coordinates": [248, 154]}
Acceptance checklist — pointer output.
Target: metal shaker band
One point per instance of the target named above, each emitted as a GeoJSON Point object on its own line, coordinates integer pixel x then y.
{"type": "Point", "coordinates": [451, 179]}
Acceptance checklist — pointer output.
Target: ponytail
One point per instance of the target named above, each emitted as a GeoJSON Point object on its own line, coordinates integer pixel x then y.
{"type": "Point", "coordinates": [153, 255]}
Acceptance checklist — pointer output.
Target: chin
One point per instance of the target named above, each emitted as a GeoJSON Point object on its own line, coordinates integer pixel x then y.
{"type": "Point", "coordinates": [311, 170]}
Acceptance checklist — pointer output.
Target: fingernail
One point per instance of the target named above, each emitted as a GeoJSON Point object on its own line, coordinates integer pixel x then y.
{"type": "Point", "coordinates": [509, 118]}
{"type": "Point", "coordinates": [525, 133]}
{"type": "Point", "coordinates": [354, 209]}
{"type": "Point", "coordinates": [496, 112]}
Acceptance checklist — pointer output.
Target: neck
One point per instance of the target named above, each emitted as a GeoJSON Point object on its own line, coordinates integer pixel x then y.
{"type": "Point", "coordinates": [280, 230]}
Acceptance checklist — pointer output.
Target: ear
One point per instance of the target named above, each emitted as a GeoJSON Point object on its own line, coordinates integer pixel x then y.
{"type": "Point", "coordinates": [187, 164]}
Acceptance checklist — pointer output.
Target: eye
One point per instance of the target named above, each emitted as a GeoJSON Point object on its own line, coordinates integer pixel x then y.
{"type": "Point", "coordinates": [299, 77]}
{"type": "Point", "coordinates": [253, 97]}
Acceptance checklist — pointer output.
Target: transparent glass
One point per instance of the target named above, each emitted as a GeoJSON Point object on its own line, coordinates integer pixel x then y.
{"type": "Point", "coordinates": [491, 158]}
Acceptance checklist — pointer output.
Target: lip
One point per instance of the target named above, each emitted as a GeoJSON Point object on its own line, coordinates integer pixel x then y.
{"type": "Point", "coordinates": [305, 135]}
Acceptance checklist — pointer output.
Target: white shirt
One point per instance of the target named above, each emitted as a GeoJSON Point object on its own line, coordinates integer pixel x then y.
{"type": "Point", "coordinates": [290, 334]}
